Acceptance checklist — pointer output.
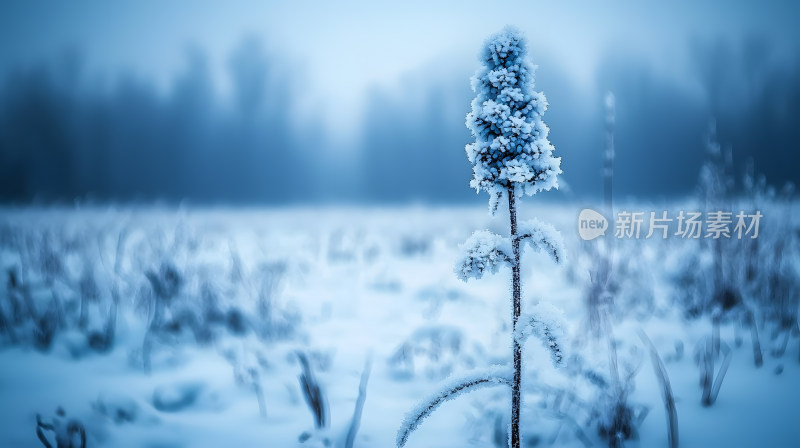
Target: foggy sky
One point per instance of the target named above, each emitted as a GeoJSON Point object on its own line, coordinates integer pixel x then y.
{"type": "Point", "coordinates": [371, 78]}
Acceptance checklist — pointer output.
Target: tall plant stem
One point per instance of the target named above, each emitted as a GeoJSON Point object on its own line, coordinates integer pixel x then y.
{"type": "Point", "coordinates": [516, 396]}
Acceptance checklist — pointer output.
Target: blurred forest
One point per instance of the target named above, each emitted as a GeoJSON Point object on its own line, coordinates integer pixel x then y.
{"type": "Point", "coordinates": [67, 133]}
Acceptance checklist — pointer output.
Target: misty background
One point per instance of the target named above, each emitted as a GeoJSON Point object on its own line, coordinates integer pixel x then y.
{"type": "Point", "coordinates": [302, 102]}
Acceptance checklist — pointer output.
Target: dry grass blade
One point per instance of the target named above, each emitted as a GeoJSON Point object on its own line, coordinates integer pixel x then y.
{"type": "Point", "coordinates": [726, 362]}
{"type": "Point", "coordinates": [312, 392]}
{"type": "Point", "coordinates": [666, 390]}
{"type": "Point", "coordinates": [362, 397]}
{"type": "Point", "coordinates": [751, 321]}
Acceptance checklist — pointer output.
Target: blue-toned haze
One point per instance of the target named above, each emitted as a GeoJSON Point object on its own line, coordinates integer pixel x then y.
{"type": "Point", "coordinates": [139, 100]}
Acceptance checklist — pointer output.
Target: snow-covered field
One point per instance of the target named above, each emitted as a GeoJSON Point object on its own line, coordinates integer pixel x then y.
{"type": "Point", "coordinates": [233, 296]}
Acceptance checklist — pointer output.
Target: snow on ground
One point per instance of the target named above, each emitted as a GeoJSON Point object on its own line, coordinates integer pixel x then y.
{"type": "Point", "coordinates": [362, 283]}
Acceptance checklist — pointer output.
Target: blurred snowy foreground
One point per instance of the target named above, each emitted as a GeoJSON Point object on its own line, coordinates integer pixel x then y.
{"type": "Point", "coordinates": [256, 328]}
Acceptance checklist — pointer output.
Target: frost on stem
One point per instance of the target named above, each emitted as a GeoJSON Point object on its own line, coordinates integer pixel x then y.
{"type": "Point", "coordinates": [542, 237]}
{"type": "Point", "coordinates": [510, 156]}
{"type": "Point", "coordinates": [483, 251]}
{"type": "Point", "coordinates": [546, 323]}
{"type": "Point", "coordinates": [511, 148]}
{"type": "Point", "coordinates": [494, 375]}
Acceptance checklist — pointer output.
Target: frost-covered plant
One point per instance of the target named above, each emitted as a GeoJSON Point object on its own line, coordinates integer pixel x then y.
{"type": "Point", "coordinates": [68, 433]}
{"type": "Point", "coordinates": [511, 153]}
{"type": "Point", "coordinates": [619, 281]}
{"type": "Point", "coordinates": [618, 420]}
{"type": "Point", "coordinates": [312, 393]}
{"type": "Point", "coordinates": [617, 285]}
{"type": "Point", "coordinates": [616, 417]}
{"type": "Point", "coordinates": [602, 285]}
{"type": "Point", "coordinates": [716, 182]}
{"type": "Point", "coordinates": [511, 156]}
{"type": "Point", "coordinates": [276, 322]}
{"type": "Point", "coordinates": [747, 277]}
{"type": "Point", "coordinates": [46, 325]}
{"type": "Point", "coordinates": [16, 304]}
{"type": "Point", "coordinates": [166, 284]}
{"type": "Point", "coordinates": [772, 273]}
{"type": "Point", "coordinates": [707, 352]}
{"type": "Point", "coordinates": [718, 285]}
{"type": "Point", "coordinates": [709, 283]}
{"type": "Point", "coordinates": [104, 340]}
{"type": "Point", "coordinates": [47, 258]}
{"type": "Point", "coordinates": [89, 293]}
{"type": "Point", "coordinates": [35, 309]}
{"type": "Point", "coordinates": [247, 373]}
{"type": "Point", "coordinates": [666, 391]}
{"type": "Point", "coordinates": [26, 321]}
{"type": "Point", "coordinates": [609, 103]}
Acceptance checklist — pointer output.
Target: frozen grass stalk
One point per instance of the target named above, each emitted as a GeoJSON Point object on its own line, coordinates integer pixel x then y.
{"type": "Point", "coordinates": [355, 421]}
{"type": "Point", "coordinates": [750, 320]}
{"type": "Point", "coordinates": [705, 357]}
{"type": "Point", "coordinates": [317, 402]}
{"type": "Point", "coordinates": [312, 393]}
{"type": "Point", "coordinates": [608, 154]}
{"type": "Point", "coordinates": [666, 390]}
{"type": "Point", "coordinates": [511, 156]}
